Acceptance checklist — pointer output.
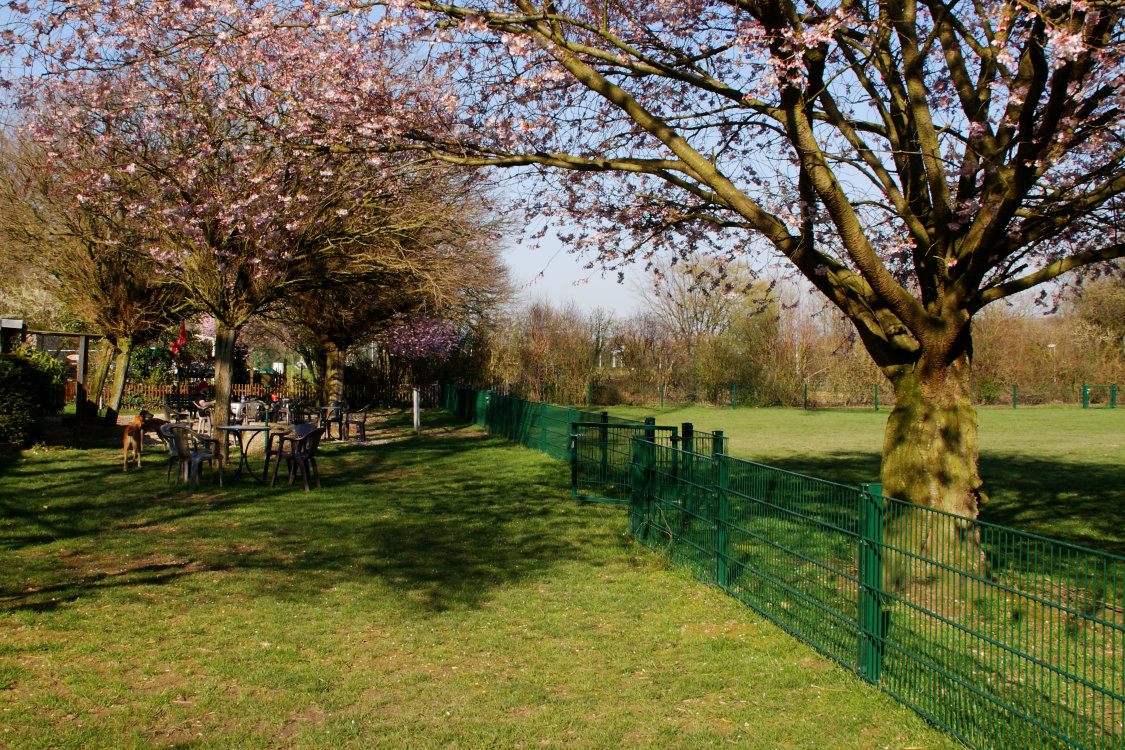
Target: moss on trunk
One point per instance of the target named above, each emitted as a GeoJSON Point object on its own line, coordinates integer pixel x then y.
{"type": "Point", "coordinates": [930, 454]}
{"type": "Point", "coordinates": [930, 458]}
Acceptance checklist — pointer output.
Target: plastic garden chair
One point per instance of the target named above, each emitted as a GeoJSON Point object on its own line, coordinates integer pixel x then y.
{"type": "Point", "coordinates": [188, 450]}
{"type": "Point", "coordinates": [356, 418]}
{"type": "Point", "coordinates": [334, 415]}
{"type": "Point", "coordinates": [298, 448]}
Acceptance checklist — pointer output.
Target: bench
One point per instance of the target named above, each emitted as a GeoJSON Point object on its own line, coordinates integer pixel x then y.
{"type": "Point", "coordinates": [177, 406]}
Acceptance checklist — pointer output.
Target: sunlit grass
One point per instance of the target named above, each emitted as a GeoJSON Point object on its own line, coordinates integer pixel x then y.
{"type": "Point", "coordinates": [438, 592]}
{"type": "Point", "coordinates": [1054, 471]}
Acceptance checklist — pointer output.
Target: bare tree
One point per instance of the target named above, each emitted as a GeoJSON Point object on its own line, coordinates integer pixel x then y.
{"type": "Point", "coordinates": [434, 248]}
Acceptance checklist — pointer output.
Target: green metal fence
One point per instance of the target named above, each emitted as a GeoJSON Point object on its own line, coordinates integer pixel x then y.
{"type": "Point", "coordinates": [1006, 639]}
{"type": "Point", "coordinates": [533, 424]}
{"type": "Point", "coordinates": [614, 391]}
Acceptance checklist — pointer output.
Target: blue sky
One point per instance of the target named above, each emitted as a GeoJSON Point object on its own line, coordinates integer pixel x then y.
{"type": "Point", "coordinates": [550, 272]}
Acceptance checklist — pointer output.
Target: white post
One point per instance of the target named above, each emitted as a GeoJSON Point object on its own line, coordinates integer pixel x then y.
{"type": "Point", "coordinates": [417, 412]}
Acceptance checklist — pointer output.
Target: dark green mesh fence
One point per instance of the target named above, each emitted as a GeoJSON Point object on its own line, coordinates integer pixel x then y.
{"type": "Point", "coordinates": [1006, 639]}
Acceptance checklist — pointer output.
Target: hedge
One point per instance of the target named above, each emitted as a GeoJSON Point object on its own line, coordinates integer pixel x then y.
{"type": "Point", "coordinates": [32, 386]}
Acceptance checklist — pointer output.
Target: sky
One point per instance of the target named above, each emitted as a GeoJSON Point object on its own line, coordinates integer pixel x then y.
{"type": "Point", "coordinates": [551, 273]}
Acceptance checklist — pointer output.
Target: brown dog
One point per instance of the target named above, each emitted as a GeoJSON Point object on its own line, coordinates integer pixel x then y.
{"type": "Point", "coordinates": [134, 438]}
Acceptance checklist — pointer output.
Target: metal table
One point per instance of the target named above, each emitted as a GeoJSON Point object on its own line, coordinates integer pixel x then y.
{"type": "Point", "coordinates": [240, 432]}
{"type": "Point", "coordinates": [324, 412]}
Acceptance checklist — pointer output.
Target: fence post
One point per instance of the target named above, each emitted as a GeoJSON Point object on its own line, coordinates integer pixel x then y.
{"type": "Point", "coordinates": [661, 398]}
{"type": "Point", "coordinates": [721, 518]}
{"type": "Point", "coordinates": [733, 397]}
{"type": "Point", "coordinates": [603, 444]}
{"type": "Point", "coordinates": [649, 468]}
{"type": "Point", "coordinates": [1085, 396]}
{"type": "Point", "coordinates": [1113, 397]}
{"type": "Point", "coordinates": [716, 451]}
{"type": "Point", "coordinates": [872, 624]}
{"type": "Point", "coordinates": [417, 398]}
{"type": "Point", "coordinates": [876, 397]}
{"type": "Point", "coordinates": [572, 457]}
{"type": "Point", "coordinates": [687, 462]}
{"type": "Point", "coordinates": [80, 395]}
{"type": "Point", "coordinates": [1015, 392]}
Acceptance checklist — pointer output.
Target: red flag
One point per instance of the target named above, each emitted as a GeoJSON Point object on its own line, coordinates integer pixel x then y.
{"type": "Point", "coordinates": [181, 340]}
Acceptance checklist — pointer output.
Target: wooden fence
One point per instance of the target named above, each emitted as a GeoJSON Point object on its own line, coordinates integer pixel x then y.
{"type": "Point", "coordinates": [139, 395]}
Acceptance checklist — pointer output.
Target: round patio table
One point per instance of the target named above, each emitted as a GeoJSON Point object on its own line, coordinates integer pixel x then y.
{"type": "Point", "coordinates": [327, 410]}
{"type": "Point", "coordinates": [245, 434]}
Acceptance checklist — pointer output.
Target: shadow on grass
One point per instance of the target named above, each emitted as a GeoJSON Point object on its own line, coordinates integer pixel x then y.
{"type": "Point", "coordinates": [48, 598]}
{"type": "Point", "coordinates": [66, 496]}
{"type": "Point", "coordinates": [438, 521]}
{"type": "Point", "coordinates": [1071, 502]}
{"type": "Point", "coordinates": [444, 521]}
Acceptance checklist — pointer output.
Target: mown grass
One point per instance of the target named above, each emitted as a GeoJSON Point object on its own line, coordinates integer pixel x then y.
{"type": "Point", "coordinates": [440, 591]}
{"type": "Point", "coordinates": [1054, 471]}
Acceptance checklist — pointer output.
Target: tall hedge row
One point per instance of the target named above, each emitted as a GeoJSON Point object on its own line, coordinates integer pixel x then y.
{"type": "Point", "coordinates": [32, 386]}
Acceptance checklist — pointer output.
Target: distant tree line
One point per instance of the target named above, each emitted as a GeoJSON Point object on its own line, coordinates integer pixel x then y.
{"type": "Point", "coordinates": [695, 337]}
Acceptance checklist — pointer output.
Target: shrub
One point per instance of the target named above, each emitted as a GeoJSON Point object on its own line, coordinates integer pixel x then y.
{"type": "Point", "coordinates": [32, 386]}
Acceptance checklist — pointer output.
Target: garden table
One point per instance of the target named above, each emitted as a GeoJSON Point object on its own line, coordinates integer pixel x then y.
{"type": "Point", "coordinates": [332, 414]}
{"type": "Point", "coordinates": [244, 434]}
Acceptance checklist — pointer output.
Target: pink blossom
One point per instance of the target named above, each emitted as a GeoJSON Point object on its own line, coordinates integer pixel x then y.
{"type": "Point", "coordinates": [424, 337]}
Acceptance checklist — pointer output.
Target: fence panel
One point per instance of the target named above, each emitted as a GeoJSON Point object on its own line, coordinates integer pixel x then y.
{"type": "Point", "coordinates": [792, 553]}
{"type": "Point", "coordinates": [612, 391]}
{"type": "Point", "coordinates": [673, 509]}
{"type": "Point", "coordinates": [601, 458]}
{"type": "Point", "coordinates": [1005, 639]}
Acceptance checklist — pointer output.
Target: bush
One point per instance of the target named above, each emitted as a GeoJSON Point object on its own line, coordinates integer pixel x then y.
{"type": "Point", "coordinates": [32, 386]}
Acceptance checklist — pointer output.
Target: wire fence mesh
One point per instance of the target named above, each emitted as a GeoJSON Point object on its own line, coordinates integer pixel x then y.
{"type": "Point", "coordinates": [1005, 639]}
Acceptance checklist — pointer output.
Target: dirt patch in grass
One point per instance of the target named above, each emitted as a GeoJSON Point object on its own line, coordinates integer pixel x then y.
{"type": "Point", "coordinates": [296, 721]}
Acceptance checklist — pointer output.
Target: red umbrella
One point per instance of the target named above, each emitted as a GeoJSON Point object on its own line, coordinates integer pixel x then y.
{"type": "Point", "coordinates": [181, 340]}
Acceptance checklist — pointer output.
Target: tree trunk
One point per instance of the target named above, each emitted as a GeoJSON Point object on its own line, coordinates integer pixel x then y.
{"type": "Point", "coordinates": [225, 339]}
{"type": "Point", "coordinates": [124, 346]}
{"type": "Point", "coordinates": [930, 444]}
{"type": "Point", "coordinates": [930, 458]}
{"type": "Point", "coordinates": [101, 374]}
{"type": "Point", "coordinates": [333, 382]}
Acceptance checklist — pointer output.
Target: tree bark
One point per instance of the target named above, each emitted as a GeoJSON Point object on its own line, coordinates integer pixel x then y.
{"type": "Point", "coordinates": [101, 374]}
{"type": "Point", "coordinates": [225, 339]}
{"type": "Point", "coordinates": [333, 385]}
{"type": "Point", "coordinates": [930, 454]}
{"type": "Point", "coordinates": [124, 346]}
{"type": "Point", "coordinates": [930, 458]}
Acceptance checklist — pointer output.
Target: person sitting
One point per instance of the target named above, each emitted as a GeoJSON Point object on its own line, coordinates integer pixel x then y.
{"type": "Point", "coordinates": [200, 396]}
{"type": "Point", "coordinates": [202, 408]}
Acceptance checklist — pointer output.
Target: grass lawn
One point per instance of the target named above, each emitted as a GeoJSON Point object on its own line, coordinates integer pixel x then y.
{"type": "Point", "coordinates": [1054, 471]}
{"type": "Point", "coordinates": [440, 591]}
